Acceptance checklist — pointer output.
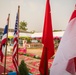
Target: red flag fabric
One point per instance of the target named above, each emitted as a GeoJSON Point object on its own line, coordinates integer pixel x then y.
{"type": "Point", "coordinates": [1, 54]}
{"type": "Point", "coordinates": [15, 47]}
{"type": "Point", "coordinates": [65, 59]}
{"type": "Point", "coordinates": [47, 40]}
{"type": "Point", "coordinates": [3, 43]}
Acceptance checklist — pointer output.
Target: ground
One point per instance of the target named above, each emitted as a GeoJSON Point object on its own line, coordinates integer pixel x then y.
{"type": "Point", "coordinates": [31, 62]}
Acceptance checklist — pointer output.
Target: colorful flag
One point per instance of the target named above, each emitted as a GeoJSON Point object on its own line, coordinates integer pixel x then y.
{"type": "Point", "coordinates": [3, 43]}
{"type": "Point", "coordinates": [65, 59]}
{"type": "Point", "coordinates": [47, 40]}
{"type": "Point", "coordinates": [15, 47]}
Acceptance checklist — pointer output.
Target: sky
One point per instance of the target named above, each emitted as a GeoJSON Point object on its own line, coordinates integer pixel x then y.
{"type": "Point", "coordinates": [33, 12]}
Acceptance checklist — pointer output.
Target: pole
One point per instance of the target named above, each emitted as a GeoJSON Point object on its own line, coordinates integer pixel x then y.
{"type": "Point", "coordinates": [18, 31]}
{"type": "Point", "coordinates": [6, 46]}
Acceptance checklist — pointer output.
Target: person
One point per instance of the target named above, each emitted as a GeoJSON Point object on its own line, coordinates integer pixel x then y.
{"type": "Point", "coordinates": [25, 45]}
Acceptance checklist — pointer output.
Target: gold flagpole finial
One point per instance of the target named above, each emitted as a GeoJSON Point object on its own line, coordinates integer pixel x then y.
{"type": "Point", "coordinates": [75, 6]}
{"type": "Point", "coordinates": [18, 6]}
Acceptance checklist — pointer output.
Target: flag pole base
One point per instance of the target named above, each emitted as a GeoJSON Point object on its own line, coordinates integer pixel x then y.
{"type": "Point", "coordinates": [4, 74]}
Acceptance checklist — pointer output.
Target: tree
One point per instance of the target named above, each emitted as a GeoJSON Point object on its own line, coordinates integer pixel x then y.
{"type": "Point", "coordinates": [23, 70]}
{"type": "Point", "coordinates": [23, 25]}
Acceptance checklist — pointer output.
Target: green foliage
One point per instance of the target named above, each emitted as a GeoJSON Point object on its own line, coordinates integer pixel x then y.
{"type": "Point", "coordinates": [23, 70]}
{"type": "Point", "coordinates": [23, 25]}
{"type": "Point", "coordinates": [27, 38]}
{"type": "Point", "coordinates": [57, 30]}
{"type": "Point", "coordinates": [56, 43]}
{"type": "Point", "coordinates": [33, 31]}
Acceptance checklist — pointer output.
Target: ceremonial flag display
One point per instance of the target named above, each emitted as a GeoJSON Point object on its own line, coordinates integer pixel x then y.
{"type": "Point", "coordinates": [3, 43]}
{"type": "Point", "coordinates": [15, 47]}
{"type": "Point", "coordinates": [65, 59]}
{"type": "Point", "coordinates": [47, 40]}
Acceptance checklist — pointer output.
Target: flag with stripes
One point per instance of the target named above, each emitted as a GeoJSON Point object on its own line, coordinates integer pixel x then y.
{"type": "Point", "coordinates": [15, 46]}
{"type": "Point", "coordinates": [3, 43]}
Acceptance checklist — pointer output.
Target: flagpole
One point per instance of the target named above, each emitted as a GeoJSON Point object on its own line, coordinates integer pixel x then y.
{"type": "Point", "coordinates": [18, 30]}
{"type": "Point", "coordinates": [6, 46]}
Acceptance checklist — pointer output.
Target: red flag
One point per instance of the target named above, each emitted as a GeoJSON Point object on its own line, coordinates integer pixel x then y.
{"type": "Point", "coordinates": [15, 47]}
{"type": "Point", "coordinates": [65, 59]}
{"type": "Point", "coordinates": [47, 40]}
{"type": "Point", "coordinates": [3, 42]}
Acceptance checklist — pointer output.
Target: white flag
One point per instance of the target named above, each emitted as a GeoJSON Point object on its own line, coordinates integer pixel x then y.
{"type": "Point", "coordinates": [65, 59]}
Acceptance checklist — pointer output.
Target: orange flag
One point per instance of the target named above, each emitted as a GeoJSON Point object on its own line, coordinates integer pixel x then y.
{"type": "Point", "coordinates": [47, 40]}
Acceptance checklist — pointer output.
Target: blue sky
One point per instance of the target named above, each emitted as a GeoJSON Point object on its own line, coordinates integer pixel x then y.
{"type": "Point", "coordinates": [33, 11]}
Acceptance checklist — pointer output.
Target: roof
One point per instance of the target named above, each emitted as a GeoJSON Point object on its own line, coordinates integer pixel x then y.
{"type": "Point", "coordinates": [55, 34]}
{"type": "Point", "coordinates": [37, 35]}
